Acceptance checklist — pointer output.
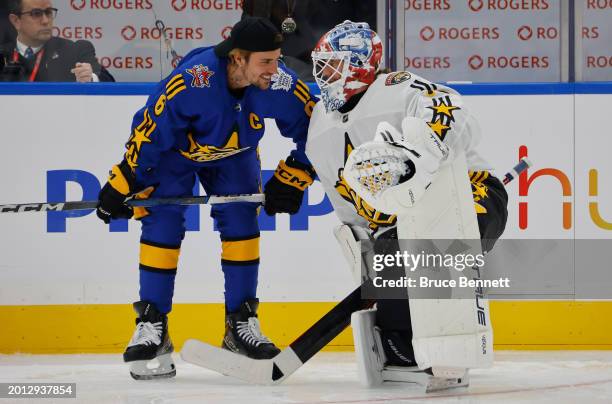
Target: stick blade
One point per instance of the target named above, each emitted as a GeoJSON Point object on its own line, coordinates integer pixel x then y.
{"type": "Point", "coordinates": [255, 371]}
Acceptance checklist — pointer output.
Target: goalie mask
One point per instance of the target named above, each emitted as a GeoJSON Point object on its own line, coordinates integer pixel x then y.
{"type": "Point", "coordinates": [345, 61]}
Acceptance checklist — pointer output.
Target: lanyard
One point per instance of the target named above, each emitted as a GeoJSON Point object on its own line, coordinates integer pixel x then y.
{"type": "Point", "coordinates": [36, 65]}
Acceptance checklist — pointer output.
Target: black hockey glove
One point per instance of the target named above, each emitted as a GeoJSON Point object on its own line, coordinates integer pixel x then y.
{"type": "Point", "coordinates": [285, 190]}
{"type": "Point", "coordinates": [111, 199]}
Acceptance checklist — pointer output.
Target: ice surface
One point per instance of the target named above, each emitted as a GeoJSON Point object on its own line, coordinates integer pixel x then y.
{"type": "Point", "coordinates": [516, 377]}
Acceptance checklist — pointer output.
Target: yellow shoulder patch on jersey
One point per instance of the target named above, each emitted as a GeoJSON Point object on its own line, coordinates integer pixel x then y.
{"type": "Point", "coordinates": [200, 76]}
{"type": "Point", "coordinates": [397, 78]}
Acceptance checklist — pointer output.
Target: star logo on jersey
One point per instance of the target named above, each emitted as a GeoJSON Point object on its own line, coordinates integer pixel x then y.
{"type": "Point", "coordinates": [439, 128]}
{"type": "Point", "coordinates": [442, 116]}
{"type": "Point", "coordinates": [281, 81]}
{"type": "Point", "coordinates": [443, 106]}
{"type": "Point", "coordinates": [479, 190]}
{"type": "Point", "coordinates": [375, 218]}
{"type": "Point", "coordinates": [397, 78]}
{"type": "Point", "coordinates": [200, 76]}
{"type": "Point", "coordinates": [141, 134]}
{"type": "Point", "coordinates": [203, 153]}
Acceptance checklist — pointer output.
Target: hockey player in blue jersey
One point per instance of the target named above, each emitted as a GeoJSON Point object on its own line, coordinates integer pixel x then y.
{"type": "Point", "coordinates": [204, 122]}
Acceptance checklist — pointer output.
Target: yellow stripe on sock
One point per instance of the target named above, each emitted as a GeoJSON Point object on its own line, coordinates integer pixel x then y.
{"type": "Point", "coordinates": [158, 257]}
{"type": "Point", "coordinates": [243, 250]}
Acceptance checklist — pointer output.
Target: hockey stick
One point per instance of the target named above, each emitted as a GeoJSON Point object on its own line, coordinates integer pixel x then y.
{"type": "Point", "coordinates": [277, 369]}
{"type": "Point", "coordinates": [84, 205]}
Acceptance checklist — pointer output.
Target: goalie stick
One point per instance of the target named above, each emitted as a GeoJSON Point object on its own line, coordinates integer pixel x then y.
{"type": "Point", "coordinates": [277, 369]}
{"type": "Point", "coordinates": [290, 359]}
{"type": "Point", "coordinates": [84, 205]}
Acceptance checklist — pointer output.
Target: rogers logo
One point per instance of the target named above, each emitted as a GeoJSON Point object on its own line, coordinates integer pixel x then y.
{"type": "Point", "coordinates": [427, 33]}
{"type": "Point", "coordinates": [225, 33]}
{"type": "Point", "coordinates": [78, 32]}
{"type": "Point", "coordinates": [525, 33]}
{"type": "Point", "coordinates": [590, 32]}
{"type": "Point", "coordinates": [179, 5]}
{"type": "Point", "coordinates": [426, 5]}
{"type": "Point", "coordinates": [127, 62]}
{"type": "Point", "coordinates": [475, 5]}
{"type": "Point", "coordinates": [599, 4]}
{"type": "Point", "coordinates": [475, 62]}
{"type": "Point", "coordinates": [509, 62]}
{"type": "Point", "coordinates": [427, 62]}
{"type": "Point", "coordinates": [78, 4]}
{"type": "Point", "coordinates": [112, 4]}
{"type": "Point", "coordinates": [599, 62]}
{"type": "Point", "coordinates": [128, 33]}
{"type": "Point", "coordinates": [462, 33]}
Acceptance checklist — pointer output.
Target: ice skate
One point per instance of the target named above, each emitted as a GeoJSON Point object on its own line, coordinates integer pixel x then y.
{"type": "Point", "coordinates": [149, 352]}
{"type": "Point", "coordinates": [243, 334]}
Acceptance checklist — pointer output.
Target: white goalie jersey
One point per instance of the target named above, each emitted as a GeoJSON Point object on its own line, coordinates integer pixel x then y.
{"type": "Point", "coordinates": [392, 97]}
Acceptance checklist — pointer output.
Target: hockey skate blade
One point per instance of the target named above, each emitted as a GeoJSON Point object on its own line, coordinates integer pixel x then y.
{"type": "Point", "coordinates": [414, 375]}
{"type": "Point", "coordinates": [161, 367]}
{"type": "Point", "coordinates": [441, 383]}
{"type": "Point", "coordinates": [256, 371]}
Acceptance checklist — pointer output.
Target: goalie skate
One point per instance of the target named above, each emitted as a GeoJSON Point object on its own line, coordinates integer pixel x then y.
{"type": "Point", "coordinates": [372, 362]}
{"type": "Point", "coordinates": [447, 379]}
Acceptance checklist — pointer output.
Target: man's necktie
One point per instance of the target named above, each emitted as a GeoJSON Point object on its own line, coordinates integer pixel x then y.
{"type": "Point", "coordinates": [29, 53]}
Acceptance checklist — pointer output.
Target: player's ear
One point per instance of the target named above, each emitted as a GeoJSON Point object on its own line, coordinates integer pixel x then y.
{"type": "Point", "coordinates": [239, 60]}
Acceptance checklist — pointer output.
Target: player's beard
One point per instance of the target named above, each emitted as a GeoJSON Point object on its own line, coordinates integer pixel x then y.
{"type": "Point", "coordinates": [261, 83]}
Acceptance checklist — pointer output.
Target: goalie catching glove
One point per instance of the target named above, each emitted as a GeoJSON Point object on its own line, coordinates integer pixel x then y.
{"type": "Point", "coordinates": [112, 197]}
{"type": "Point", "coordinates": [285, 190]}
{"type": "Point", "coordinates": [393, 171]}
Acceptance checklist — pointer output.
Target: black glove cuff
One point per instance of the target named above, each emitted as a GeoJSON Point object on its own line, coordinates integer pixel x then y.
{"type": "Point", "coordinates": [292, 162]}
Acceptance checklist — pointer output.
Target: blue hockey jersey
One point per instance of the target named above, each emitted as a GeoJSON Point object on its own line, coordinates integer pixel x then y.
{"type": "Point", "coordinates": [193, 118]}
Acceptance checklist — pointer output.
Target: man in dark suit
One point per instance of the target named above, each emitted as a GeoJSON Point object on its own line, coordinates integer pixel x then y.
{"type": "Point", "coordinates": [7, 32]}
{"type": "Point", "coordinates": [38, 56]}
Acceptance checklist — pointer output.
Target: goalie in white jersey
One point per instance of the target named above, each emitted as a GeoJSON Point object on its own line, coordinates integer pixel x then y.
{"type": "Point", "coordinates": [407, 127]}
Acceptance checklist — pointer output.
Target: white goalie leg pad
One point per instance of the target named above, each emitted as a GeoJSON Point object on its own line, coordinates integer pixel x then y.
{"type": "Point", "coordinates": [349, 238]}
{"type": "Point", "coordinates": [368, 348]}
{"type": "Point", "coordinates": [448, 333]}
{"type": "Point", "coordinates": [371, 360]}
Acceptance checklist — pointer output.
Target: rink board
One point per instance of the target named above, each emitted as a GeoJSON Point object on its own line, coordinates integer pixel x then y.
{"type": "Point", "coordinates": [543, 325]}
{"type": "Point", "coordinates": [65, 277]}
